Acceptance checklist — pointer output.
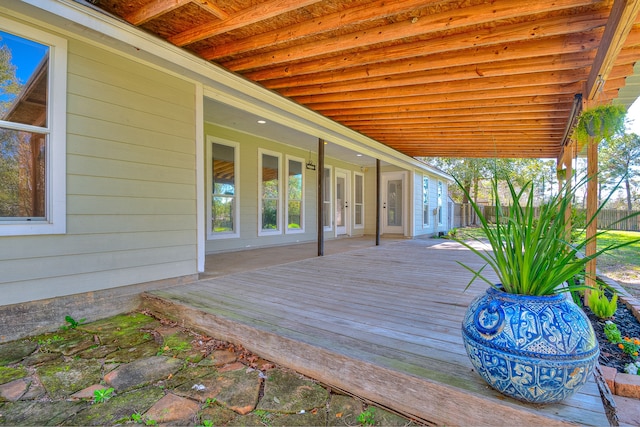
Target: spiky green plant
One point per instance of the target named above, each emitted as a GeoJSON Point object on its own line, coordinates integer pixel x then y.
{"type": "Point", "coordinates": [530, 251]}
{"type": "Point", "coordinates": [600, 305]}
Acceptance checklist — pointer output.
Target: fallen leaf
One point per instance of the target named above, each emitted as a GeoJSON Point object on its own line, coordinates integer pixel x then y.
{"type": "Point", "coordinates": [339, 415]}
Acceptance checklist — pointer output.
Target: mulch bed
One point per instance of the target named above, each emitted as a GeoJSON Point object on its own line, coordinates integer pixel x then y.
{"type": "Point", "coordinates": [610, 354]}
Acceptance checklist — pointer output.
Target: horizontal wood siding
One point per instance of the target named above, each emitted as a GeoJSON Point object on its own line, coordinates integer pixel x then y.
{"type": "Point", "coordinates": [247, 188]}
{"type": "Point", "coordinates": [131, 198]}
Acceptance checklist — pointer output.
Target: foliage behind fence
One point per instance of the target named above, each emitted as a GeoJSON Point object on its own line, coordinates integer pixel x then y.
{"type": "Point", "coordinates": [607, 218]}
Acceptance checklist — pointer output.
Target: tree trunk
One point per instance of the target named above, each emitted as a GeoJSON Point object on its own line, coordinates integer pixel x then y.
{"type": "Point", "coordinates": [627, 184]}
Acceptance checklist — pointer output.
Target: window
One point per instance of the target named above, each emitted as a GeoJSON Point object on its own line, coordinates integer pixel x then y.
{"type": "Point", "coordinates": [440, 195]}
{"type": "Point", "coordinates": [326, 200]}
{"type": "Point", "coordinates": [269, 191]}
{"type": "Point", "coordinates": [32, 132]}
{"type": "Point", "coordinates": [359, 201]}
{"type": "Point", "coordinates": [224, 190]}
{"type": "Point", "coordinates": [295, 195]}
{"type": "Point", "coordinates": [425, 201]}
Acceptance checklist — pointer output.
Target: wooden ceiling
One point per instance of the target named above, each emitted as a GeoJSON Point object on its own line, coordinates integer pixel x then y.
{"type": "Point", "coordinates": [448, 78]}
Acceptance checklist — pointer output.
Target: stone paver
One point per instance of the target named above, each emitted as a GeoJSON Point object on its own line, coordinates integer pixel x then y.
{"type": "Point", "coordinates": [16, 351]}
{"type": "Point", "coordinates": [628, 410]}
{"type": "Point", "coordinates": [14, 390]}
{"type": "Point", "coordinates": [288, 392]}
{"type": "Point", "coordinates": [141, 372]}
{"type": "Point", "coordinates": [87, 393]}
{"type": "Point", "coordinates": [628, 385]}
{"type": "Point", "coordinates": [161, 374]}
{"type": "Point", "coordinates": [172, 408]}
{"type": "Point", "coordinates": [64, 377]}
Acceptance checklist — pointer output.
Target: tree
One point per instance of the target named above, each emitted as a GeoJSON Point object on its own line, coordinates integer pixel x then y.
{"type": "Point", "coordinates": [10, 86]}
{"type": "Point", "coordinates": [620, 162]}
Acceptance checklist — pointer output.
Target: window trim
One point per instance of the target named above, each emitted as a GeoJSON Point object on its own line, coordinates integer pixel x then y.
{"type": "Point", "coordinates": [425, 217]}
{"type": "Point", "coordinates": [328, 227]}
{"type": "Point", "coordinates": [288, 230]}
{"type": "Point", "coordinates": [209, 190]}
{"type": "Point", "coordinates": [55, 221]}
{"type": "Point", "coordinates": [440, 202]}
{"type": "Point", "coordinates": [355, 202]}
{"type": "Point", "coordinates": [279, 228]}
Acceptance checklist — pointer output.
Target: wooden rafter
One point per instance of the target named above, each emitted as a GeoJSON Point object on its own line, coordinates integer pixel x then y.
{"type": "Point", "coordinates": [624, 13]}
{"type": "Point", "coordinates": [426, 77]}
{"type": "Point", "coordinates": [249, 16]}
{"type": "Point", "coordinates": [475, 15]}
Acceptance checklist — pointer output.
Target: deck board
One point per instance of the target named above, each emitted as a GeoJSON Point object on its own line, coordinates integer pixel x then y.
{"type": "Point", "coordinates": [380, 322]}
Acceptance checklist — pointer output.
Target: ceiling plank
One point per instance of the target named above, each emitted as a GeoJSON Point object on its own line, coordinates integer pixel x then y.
{"type": "Point", "coordinates": [540, 101]}
{"type": "Point", "coordinates": [623, 15]}
{"type": "Point", "coordinates": [211, 7]}
{"type": "Point", "coordinates": [552, 36]}
{"type": "Point", "coordinates": [567, 90]}
{"type": "Point", "coordinates": [153, 9]}
{"type": "Point", "coordinates": [450, 74]}
{"type": "Point", "coordinates": [462, 109]}
{"type": "Point", "coordinates": [456, 18]}
{"type": "Point", "coordinates": [257, 13]}
{"type": "Point", "coordinates": [508, 83]}
{"type": "Point", "coordinates": [355, 15]}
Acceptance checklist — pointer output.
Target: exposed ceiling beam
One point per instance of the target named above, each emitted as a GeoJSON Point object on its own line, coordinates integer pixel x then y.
{"type": "Point", "coordinates": [621, 19]}
{"type": "Point", "coordinates": [429, 24]}
{"type": "Point", "coordinates": [362, 13]}
{"type": "Point", "coordinates": [516, 41]}
{"type": "Point", "coordinates": [258, 12]}
{"type": "Point", "coordinates": [153, 10]}
{"type": "Point", "coordinates": [211, 7]}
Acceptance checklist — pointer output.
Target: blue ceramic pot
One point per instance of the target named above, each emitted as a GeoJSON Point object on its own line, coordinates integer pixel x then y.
{"type": "Point", "coordinates": [538, 349]}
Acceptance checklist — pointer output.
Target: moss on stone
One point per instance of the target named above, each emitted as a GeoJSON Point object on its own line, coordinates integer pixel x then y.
{"type": "Point", "coordinates": [8, 374]}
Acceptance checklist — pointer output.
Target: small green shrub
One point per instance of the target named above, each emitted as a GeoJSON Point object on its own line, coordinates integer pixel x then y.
{"type": "Point", "coordinates": [71, 323]}
{"type": "Point", "coordinates": [367, 417]}
{"type": "Point", "coordinates": [612, 332]}
{"type": "Point", "coordinates": [102, 395]}
{"type": "Point", "coordinates": [600, 305]}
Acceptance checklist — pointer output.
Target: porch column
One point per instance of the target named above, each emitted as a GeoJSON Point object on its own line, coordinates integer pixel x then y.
{"type": "Point", "coordinates": [592, 207]}
{"type": "Point", "coordinates": [320, 210]}
{"type": "Point", "coordinates": [378, 202]}
{"type": "Point", "coordinates": [566, 162]}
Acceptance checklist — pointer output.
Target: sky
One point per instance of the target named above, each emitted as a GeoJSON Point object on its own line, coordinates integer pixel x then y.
{"type": "Point", "coordinates": [633, 118]}
{"type": "Point", "coordinates": [26, 54]}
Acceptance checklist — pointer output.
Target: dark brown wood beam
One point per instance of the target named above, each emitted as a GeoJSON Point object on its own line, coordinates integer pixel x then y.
{"type": "Point", "coordinates": [623, 15]}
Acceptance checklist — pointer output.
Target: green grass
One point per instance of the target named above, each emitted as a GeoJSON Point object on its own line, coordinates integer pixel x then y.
{"type": "Point", "coordinates": [623, 264]}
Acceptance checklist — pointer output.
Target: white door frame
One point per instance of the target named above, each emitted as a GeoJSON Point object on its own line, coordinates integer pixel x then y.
{"type": "Point", "coordinates": [342, 207]}
{"type": "Point", "coordinates": [386, 208]}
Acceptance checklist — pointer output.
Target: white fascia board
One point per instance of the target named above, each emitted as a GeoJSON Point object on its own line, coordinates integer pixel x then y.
{"type": "Point", "coordinates": [226, 86]}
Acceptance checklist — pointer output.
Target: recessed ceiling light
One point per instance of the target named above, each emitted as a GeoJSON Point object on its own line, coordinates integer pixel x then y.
{"type": "Point", "coordinates": [359, 155]}
{"type": "Point", "coordinates": [262, 122]}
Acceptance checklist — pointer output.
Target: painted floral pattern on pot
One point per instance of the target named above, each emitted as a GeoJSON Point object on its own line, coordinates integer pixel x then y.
{"type": "Point", "coordinates": [538, 349]}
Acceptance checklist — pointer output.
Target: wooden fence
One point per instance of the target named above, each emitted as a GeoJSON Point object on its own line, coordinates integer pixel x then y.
{"type": "Point", "coordinates": [607, 218]}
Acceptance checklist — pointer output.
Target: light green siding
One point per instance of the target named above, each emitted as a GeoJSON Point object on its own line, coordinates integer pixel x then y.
{"type": "Point", "coordinates": [131, 190]}
{"type": "Point", "coordinates": [247, 188]}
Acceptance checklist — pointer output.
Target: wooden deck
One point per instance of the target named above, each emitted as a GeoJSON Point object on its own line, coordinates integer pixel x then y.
{"type": "Point", "coordinates": [380, 322]}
